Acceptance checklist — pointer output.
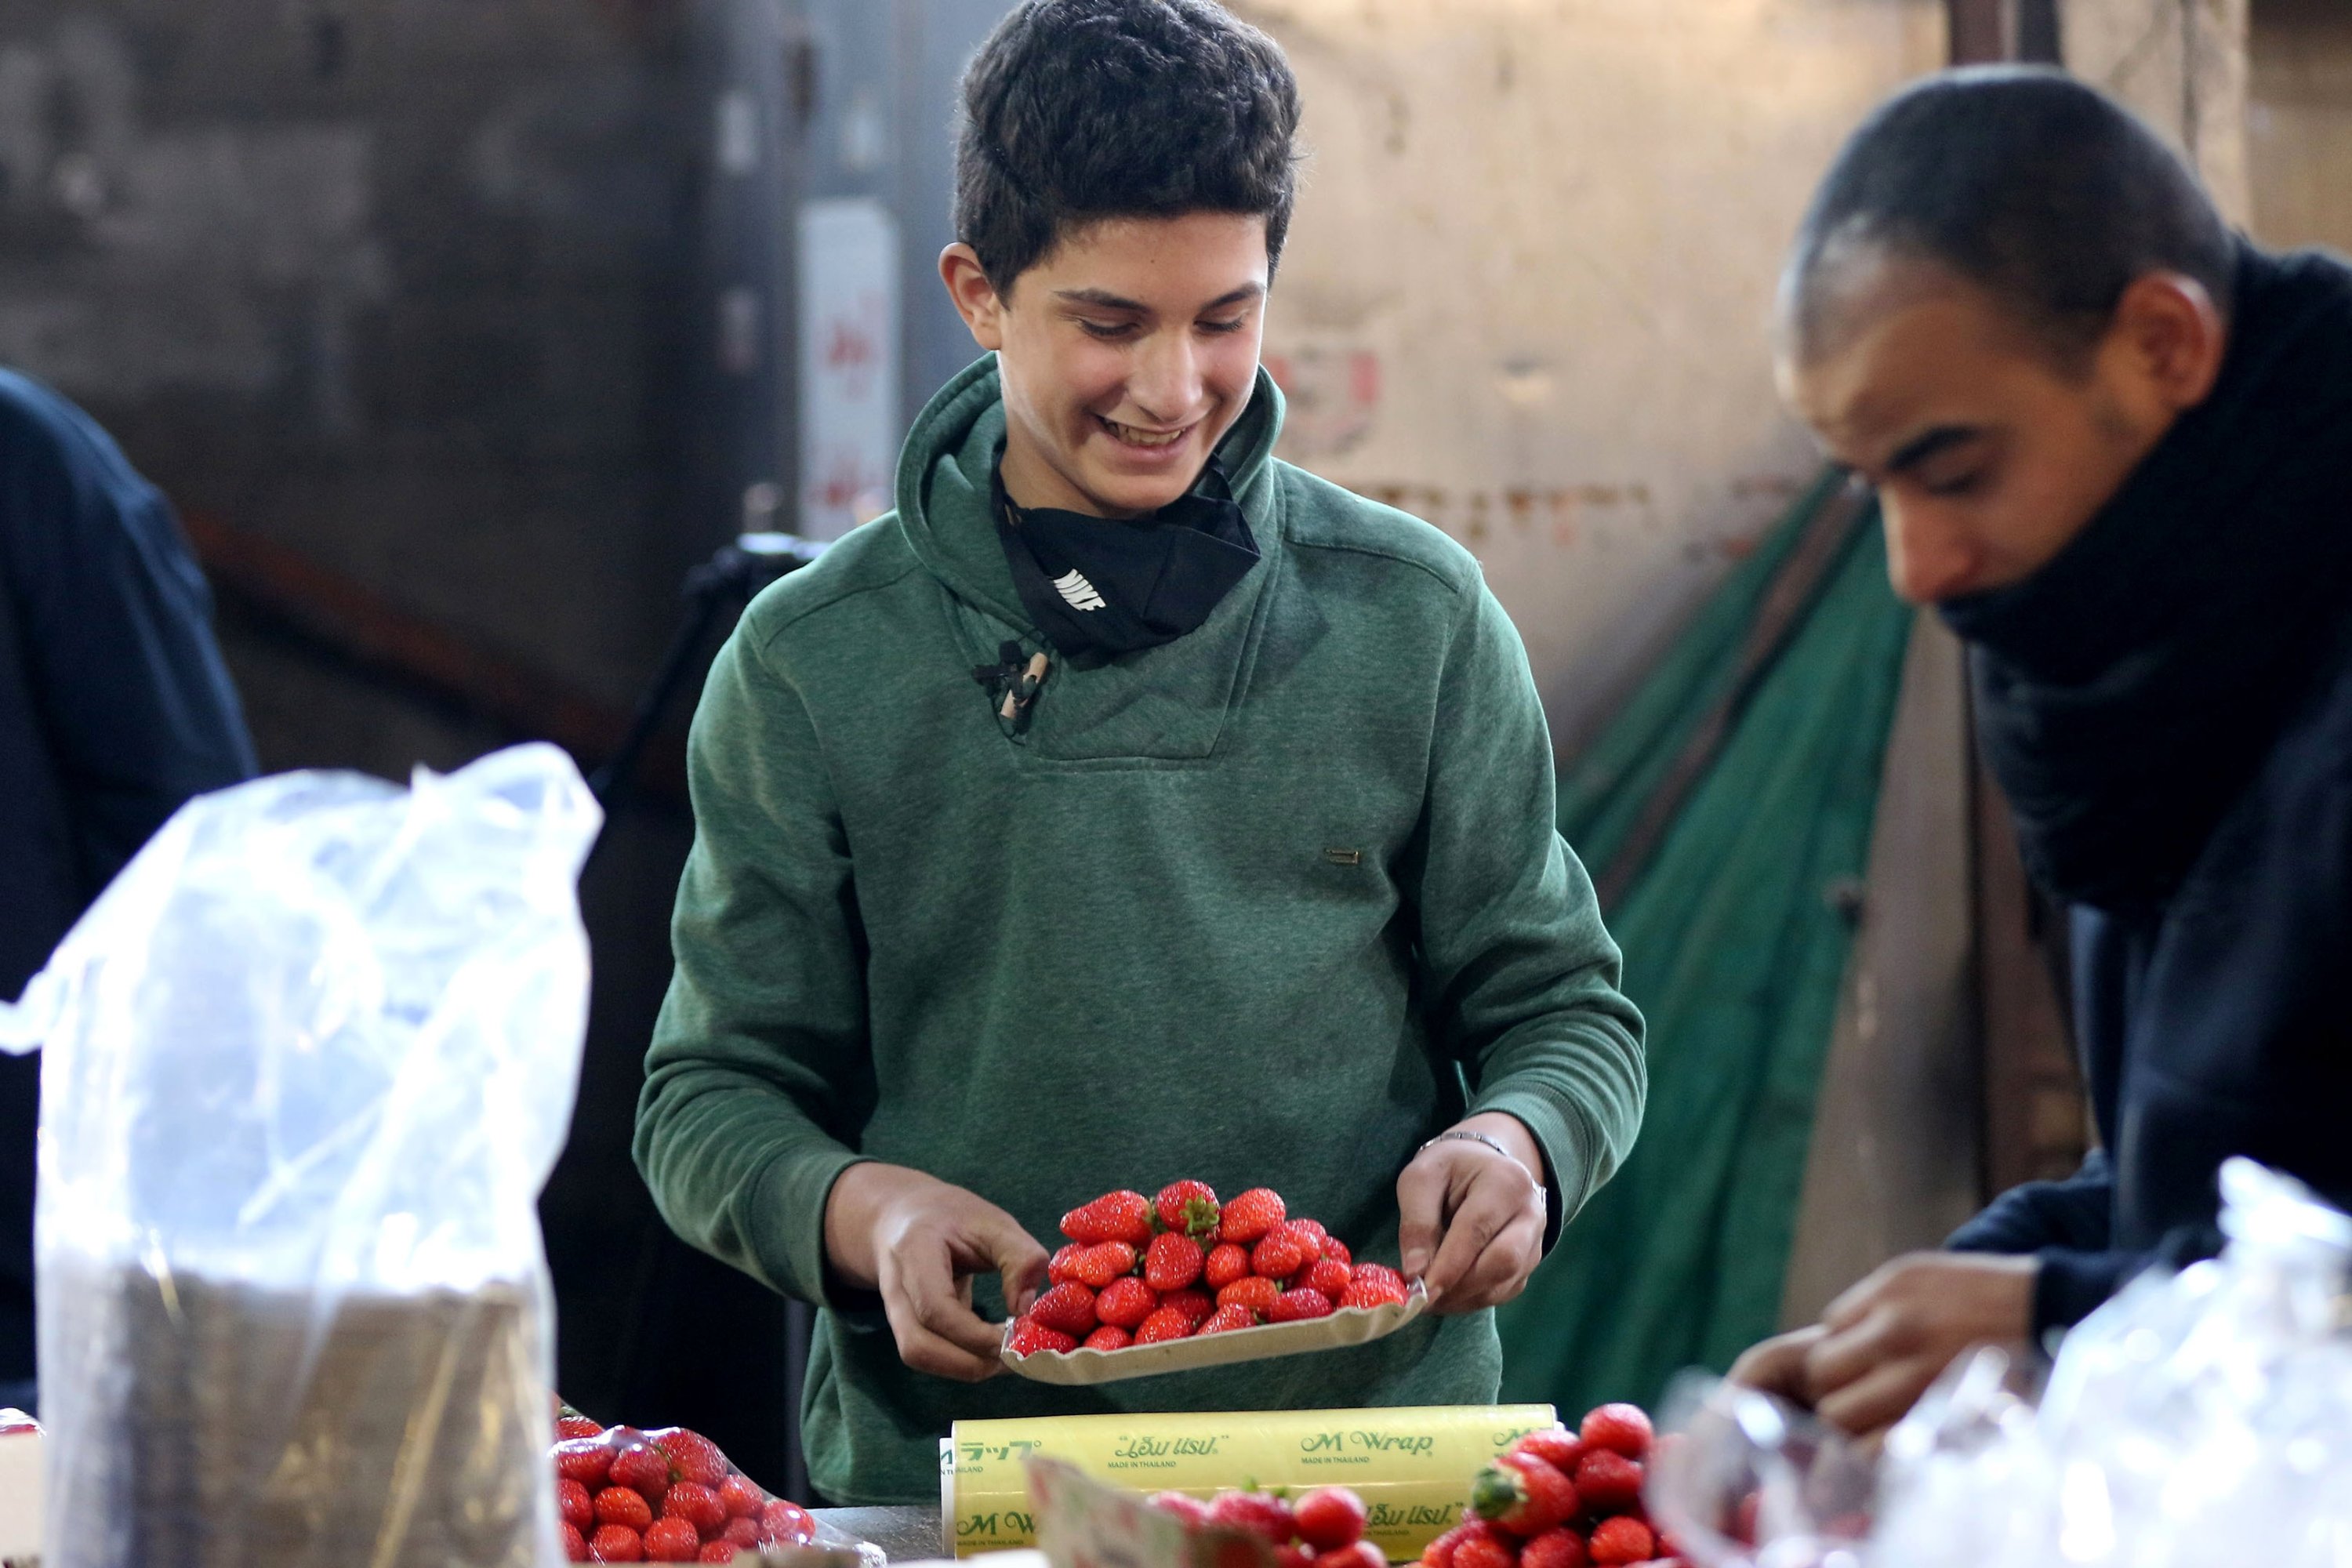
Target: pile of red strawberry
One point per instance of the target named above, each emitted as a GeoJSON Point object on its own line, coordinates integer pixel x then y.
{"type": "Point", "coordinates": [1142, 1270]}
{"type": "Point", "coordinates": [666, 1496]}
{"type": "Point", "coordinates": [1557, 1498]}
{"type": "Point", "coordinates": [1324, 1528]}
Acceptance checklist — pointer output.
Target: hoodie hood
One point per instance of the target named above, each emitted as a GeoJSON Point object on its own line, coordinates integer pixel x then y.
{"type": "Point", "coordinates": [947, 476]}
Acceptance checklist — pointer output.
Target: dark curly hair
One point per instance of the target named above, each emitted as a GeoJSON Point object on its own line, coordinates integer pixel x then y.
{"type": "Point", "coordinates": [1076, 111]}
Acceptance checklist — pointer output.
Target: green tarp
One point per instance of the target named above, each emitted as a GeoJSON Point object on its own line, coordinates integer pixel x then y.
{"type": "Point", "coordinates": [1736, 938]}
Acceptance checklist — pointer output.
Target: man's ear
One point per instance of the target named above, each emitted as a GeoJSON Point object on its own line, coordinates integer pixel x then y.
{"type": "Point", "coordinates": [2176, 333]}
{"type": "Point", "coordinates": [976, 296]}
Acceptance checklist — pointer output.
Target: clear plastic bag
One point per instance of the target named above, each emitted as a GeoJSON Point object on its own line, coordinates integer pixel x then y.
{"type": "Point", "coordinates": [307, 1064]}
{"type": "Point", "coordinates": [1743, 1478]}
{"type": "Point", "coordinates": [2197, 1418]}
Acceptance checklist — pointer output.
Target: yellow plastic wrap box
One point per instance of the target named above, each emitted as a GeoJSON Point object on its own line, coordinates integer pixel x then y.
{"type": "Point", "coordinates": [1412, 1467]}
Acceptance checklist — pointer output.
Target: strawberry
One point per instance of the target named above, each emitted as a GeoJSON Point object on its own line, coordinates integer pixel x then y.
{"type": "Point", "coordinates": [739, 1494]}
{"type": "Point", "coordinates": [717, 1552]}
{"type": "Point", "coordinates": [1329, 1518]}
{"type": "Point", "coordinates": [1313, 1229]}
{"type": "Point", "coordinates": [1196, 1305]}
{"type": "Point", "coordinates": [1188, 1208]}
{"type": "Point", "coordinates": [586, 1460]}
{"type": "Point", "coordinates": [1609, 1483]}
{"type": "Point", "coordinates": [1190, 1509]}
{"type": "Point", "coordinates": [1115, 1217]}
{"type": "Point", "coordinates": [573, 1502]}
{"type": "Point", "coordinates": [672, 1541]}
{"type": "Point", "coordinates": [1439, 1552]}
{"type": "Point", "coordinates": [576, 1427]}
{"type": "Point", "coordinates": [1337, 1251]}
{"type": "Point", "coordinates": [1555, 1446]}
{"type": "Point", "coordinates": [1067, 1308]}
{"type": "Point", "coordinates": [616, 1543]}
{"type": "Point", "coordinates": [1173, 1261]}
{"type": "Point", "coordinates": [1355, 1554]}
{"type": "Point", "coordinates": [1523, 1495]}
{"type": "Point", "coordinates": [1057, 1268]}
{"type": "Point", "coordinates": [1745, 1516]}
{"type": "Point", "coordinates": [1099, 1265]}
{"type": "Point", "coordinates": [1373, 1286]}
{"type": "Point", "coordinates": [1554, 1549]}
{"type": "Point", "coordinates": [1260, 1513]}
{"type": "Point", "coordinates": [1168, 1323]}
{"type": "Point", "coordinates": [1249, 1216]}
{"type": "Point", "coordinates": [1616, 1540]}
{"type": "Point", "coordinates": [1109, 1337]}
{"type": "Point", "coordinates": [1329, 1275]}
{"type": "Point", "coordinates": [576, 1545]}
{"type": "Point", "coordinates": [697, 1504]}
{"type": "Point", "coordinates": [1225, 1263]}
{"type": "Point", "coordinates": [693, 1457]}
{"type": "Point", "coordinates": [623, 1505]}
{"type": "Point", "coordinates": [1126, 1303]}
{"type": "Point", "coordinates": [788, 1523]}
{"type": "Point", "coordinates": [1483, 1552]}
{"type": "Point", "coordinates": [1298, 1306]}
{"type": "Point", "coordinates": [1226, 1318]}
{"type": "Point", "coordinates": [1620, 1429]}
{"type": "Point", "coordinates": [1258, 1295]}
{"type": "Point", "coordinates": [743, 1533]}
{"type": "Point", "coordinates": [1283, 1252]}
{"type": "Point", "coordinates": [643, 1469]}
{"type": "Point", "coordinates": [1030, 1337]}
{"type": "Point", "coordinates": [1289, 1556]}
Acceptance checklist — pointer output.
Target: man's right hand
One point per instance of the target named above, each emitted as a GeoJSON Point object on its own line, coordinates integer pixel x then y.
{"type": "Point", "coordinates": [917, 1241]}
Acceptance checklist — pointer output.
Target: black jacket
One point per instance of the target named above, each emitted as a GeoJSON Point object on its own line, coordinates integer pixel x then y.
{"type": "Point", "coordinates": [114, 708]}
{"type": "Point", "coordinates": [2169, 706]}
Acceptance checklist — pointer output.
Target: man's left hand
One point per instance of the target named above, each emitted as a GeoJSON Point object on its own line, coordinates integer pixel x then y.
{"type": "Point", "coordinates": [1472, 1218]}
{"type": "Point", "coordinates": [1884, 1341]}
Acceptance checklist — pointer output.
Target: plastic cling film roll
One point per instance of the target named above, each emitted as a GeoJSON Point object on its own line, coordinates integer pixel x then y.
{"type": "Point", "coordinates": [1412, 1467]}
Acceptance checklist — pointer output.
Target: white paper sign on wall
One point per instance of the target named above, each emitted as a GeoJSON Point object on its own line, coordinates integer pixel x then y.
{"type": "Point", "coordinates": [849, 363]}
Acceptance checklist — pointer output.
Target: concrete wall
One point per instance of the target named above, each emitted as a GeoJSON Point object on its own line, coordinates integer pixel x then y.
{"type": "Point", "coordinates": [2182, 64]}
{"type": "Point", "coordinates": [2299, 123]}
{"type": "Point", "coordinates": [374, 280]}
{"type": "Point", "coordinates": [1527, 294]}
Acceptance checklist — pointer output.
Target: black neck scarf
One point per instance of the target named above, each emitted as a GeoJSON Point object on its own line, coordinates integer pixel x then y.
{"type": "Point", "coordinates": [1112, 585]}
{"type": "Point", "coordinates": [2127, 692]}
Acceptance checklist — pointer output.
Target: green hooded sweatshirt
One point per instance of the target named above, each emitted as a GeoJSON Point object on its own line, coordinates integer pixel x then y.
{"type": "Point", "coordinates": [1267, 905]}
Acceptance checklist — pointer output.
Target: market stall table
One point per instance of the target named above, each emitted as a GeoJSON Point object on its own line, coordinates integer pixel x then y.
{"type": "Point", "coordinates": [906, 1535]}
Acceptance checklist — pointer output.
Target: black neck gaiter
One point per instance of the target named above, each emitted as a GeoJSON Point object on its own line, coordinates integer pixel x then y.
{"type": "Point", "coordinates": [1112, 585]}
{"type": "Point", "coordinates": [2127, 692]}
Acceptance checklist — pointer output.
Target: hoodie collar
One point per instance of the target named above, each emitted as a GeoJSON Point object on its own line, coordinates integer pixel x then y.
{"type": "Point", "coordinates": [947, 476]}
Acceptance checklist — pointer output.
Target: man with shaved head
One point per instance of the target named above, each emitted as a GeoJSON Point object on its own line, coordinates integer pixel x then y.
{"type": "Point", "coordinates": [2113, 445]}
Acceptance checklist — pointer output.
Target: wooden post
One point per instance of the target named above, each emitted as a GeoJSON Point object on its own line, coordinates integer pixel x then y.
{"type": "Point", "coordinates": [1982, 31]}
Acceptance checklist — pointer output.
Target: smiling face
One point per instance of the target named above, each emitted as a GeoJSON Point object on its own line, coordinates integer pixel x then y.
{"type": "Point", "coordinates": [1990, 450]}
{"type": "Point", "coordinates": [1126, 355]}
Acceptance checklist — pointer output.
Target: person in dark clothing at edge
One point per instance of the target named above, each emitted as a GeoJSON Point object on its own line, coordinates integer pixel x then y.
{"type": "Point", "coordinates": [1261, 885]}
{"type": "Point", "coordinates": [2113, 445]}
{"type": "Point", "coordinates": [114, 709]}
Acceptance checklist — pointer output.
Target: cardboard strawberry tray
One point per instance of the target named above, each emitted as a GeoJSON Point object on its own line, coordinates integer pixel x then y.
{"type": "Point", "coordinates": [1347, 1326]}
{"type": "Point", "coordinates": [1181, 1281]}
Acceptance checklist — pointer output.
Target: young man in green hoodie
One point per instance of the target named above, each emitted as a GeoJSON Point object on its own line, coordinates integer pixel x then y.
{"type": "Point", "coordinates": [1127, 806]}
